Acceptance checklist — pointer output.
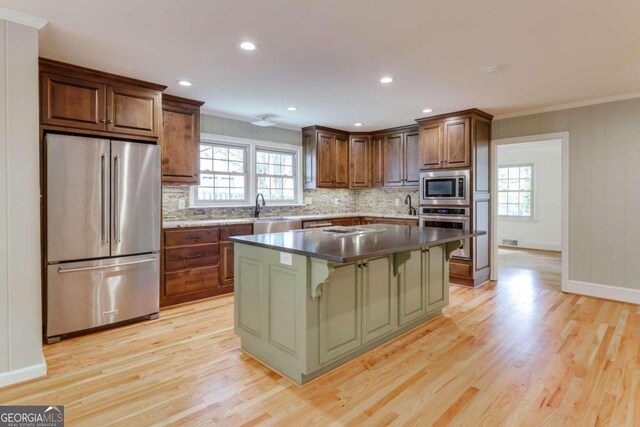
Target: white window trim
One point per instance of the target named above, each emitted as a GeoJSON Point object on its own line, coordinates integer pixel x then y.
{"type": "Point", "coordinates": [251, 145]}
{"type": "Point", "coordinates": [534, 193]}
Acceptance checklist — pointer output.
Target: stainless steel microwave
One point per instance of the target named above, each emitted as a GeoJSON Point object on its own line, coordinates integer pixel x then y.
{"type": "Point", "coordinates": [445, 188]}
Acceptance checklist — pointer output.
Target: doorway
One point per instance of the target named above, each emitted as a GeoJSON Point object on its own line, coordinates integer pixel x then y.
{"type": "Point", "coordinates": [529, 231]}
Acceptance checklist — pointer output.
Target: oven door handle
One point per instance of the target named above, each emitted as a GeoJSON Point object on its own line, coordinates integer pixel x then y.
{"type": "Point", "coordinates": [446, 218]}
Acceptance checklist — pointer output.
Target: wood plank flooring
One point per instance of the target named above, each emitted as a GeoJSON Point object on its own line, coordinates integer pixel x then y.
{"type": "Point", "coordinates": [502, 354]}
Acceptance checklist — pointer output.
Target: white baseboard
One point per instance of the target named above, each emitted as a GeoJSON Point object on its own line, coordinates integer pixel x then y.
{"type": "Point", "coordinates": [541, 246]}
{"type": "Point", "coordinates": [616, 293]}
{"type": "Point", "coordinates": [24, 374]}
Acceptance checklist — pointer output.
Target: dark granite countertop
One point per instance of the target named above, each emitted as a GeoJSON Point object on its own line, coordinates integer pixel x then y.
{"type": "Point", "coordinates": [380, 239]}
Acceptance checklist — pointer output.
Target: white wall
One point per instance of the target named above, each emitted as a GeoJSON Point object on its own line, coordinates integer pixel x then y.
{"type": "Point", "coordinates": [544, 230]}
{"type": "Point", "coordinates": [20, 290]}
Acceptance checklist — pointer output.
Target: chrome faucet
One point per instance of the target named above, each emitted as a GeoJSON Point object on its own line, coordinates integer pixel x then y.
{"type": "Point", "coordinates": [407, 201]}
{"type": "Point", "coordinates": [259, 196]}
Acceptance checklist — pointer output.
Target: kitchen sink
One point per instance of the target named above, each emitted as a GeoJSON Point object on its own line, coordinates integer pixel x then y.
{"type": "Point", "coordinates": [275, 225]}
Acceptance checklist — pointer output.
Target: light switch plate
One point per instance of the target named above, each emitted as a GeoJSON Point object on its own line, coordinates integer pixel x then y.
{"type": "Point", "coordinates": [182, 203]}
{"type": "Point", "coordinates": [286, 258]}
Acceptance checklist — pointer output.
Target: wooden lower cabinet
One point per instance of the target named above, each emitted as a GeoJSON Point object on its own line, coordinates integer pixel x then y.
{"type": "Point", "coordinates": [198, 262]}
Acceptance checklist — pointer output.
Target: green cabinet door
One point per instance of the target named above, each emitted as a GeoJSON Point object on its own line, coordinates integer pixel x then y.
{"type": "Point", "coordinates": [412, 288]}
{"type": "Point", "coordinates": [437, 276]}
{"type": "Point", "coordinates": [379, 304]}
{"type": "Point", "coordinates": [340, 330]}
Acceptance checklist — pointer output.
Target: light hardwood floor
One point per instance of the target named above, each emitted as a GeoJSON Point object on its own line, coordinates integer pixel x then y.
{"type": "Point", "coordinates": [522, 267]}
{"type": "Point", "coordinates": [500, 355]}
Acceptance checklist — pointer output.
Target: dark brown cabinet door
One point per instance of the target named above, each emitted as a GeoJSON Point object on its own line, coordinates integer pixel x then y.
{"type": "Point", "coordinates": [77, 103]}
{"type": "Point", "coordinates": [377, 161]}
{"type": "Point", "coordinates": [359, 159]}
{"type": "Point", "coordinates": [411, 159]}
{"type": "Point", "coordinates": [394, 160]}
{"type": "Point", "coordinates": [326, 160]}
{"type": "Point", "coordinates": [134, 111]}
{"type": "Point", "coordinates": [226, 264]}
{"type": "Point", "coordinates": [180, 143]}
{"type": "Point", "coordinates": [341, 162]}
{"type": "Point", "coordinates": [431, 146]}
{"type": "Point", "coordinates": [309, 147]}
{"type": "Point", "coordinates": [456, 143]}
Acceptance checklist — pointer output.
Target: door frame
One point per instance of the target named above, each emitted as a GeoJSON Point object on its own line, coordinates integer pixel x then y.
{"type": "Point", "coordinates": [564, 138]}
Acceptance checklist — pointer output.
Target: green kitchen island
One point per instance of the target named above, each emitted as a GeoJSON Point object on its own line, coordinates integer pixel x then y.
{"type": "Point", "coordinates": [307, 301]}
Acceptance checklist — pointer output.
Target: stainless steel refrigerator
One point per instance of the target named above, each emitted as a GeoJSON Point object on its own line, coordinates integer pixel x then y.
{"type": "Point", "coordinates": [103, 232]}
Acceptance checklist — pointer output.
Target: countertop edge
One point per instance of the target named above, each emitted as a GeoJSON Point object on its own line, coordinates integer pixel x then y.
{"type": "Point", "coordinates": [344, 260]}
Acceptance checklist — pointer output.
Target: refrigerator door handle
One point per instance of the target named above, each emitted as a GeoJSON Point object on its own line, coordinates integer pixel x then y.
{"type": "Point", "coordinates": [116, 198]}
{"type": "Point", "coordinates": [62, 270]}
{"type": "Point", "coordinates": [103, 198]}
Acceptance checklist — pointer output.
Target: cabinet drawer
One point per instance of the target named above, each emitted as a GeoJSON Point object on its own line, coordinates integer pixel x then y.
{"type": "Point", "coordinates": [344, 222]}
{"type": "Point", "coordinates": [191, 257]}
{"type": "Point", "coordinates": [459, 269]}
{"type": "Point", "coordinates": [190, 237]}
{"type": "Point", "coordinates": [227, 231]}
{"type": "Point", "coordinates": [190, 281]}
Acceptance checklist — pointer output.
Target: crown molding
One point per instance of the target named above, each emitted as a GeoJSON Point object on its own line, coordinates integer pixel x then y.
{"type": "Point", "coordinates": [22, 18]}
{"type": "Point", "coordinates": [577, 104]}
{"type": "Point", "coordinates": [244, 119]}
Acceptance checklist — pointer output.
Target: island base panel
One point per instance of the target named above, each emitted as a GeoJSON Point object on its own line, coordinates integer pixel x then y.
{"type": "Point", "coordinates": [305, 316]}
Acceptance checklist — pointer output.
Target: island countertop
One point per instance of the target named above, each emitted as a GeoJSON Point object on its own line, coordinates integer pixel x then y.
{"type": "Point", "coordinates": [342, 247]}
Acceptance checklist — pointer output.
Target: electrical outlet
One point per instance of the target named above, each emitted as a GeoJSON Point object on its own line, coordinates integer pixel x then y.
{"type": "Point", "coordinates": [308, 200]}
{"type": "Point", "coordinates": [182, 203]}
{"type": "Point", "coordinates": [397, 202]}
{"type": "Point", "coordinates": [336, 201]}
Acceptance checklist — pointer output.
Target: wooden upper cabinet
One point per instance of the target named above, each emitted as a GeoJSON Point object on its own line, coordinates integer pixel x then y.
{"type": "Point", "coordinates": [377, 161]}
{"type": "Point", "coordinates": [359, 162]}
{"type": "Point", "coordinates": [411, 156]}
{"type": "Point", "coordinates": [431, 150]}
{"type": "Point", "coordinates": [72, 102]}
{"type": "Point", "coordinates": [456, 143]}
{"type": "Point", "coordinates": [180, 140]}
{"type": "Point", "coordinates": [341, 161]}
{"type": "Point", "coordinates": [447, 141]}
{"type": "Point", "coordinates": [83, 100]}
{"type": "Point", "coordinates": [394, 160]}
{"type": "Point", "coordinates": [326, 158]}
{"type": "Point", "coordinates": [134, 111]}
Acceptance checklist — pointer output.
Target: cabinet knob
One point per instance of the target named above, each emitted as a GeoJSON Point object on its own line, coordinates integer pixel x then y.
{"type": "Point", "coordinates": [103, 121]}
{"type": "Point", "coordinates": [109, 121]}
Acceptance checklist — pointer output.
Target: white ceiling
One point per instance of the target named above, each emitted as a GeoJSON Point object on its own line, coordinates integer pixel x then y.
{"type": "Point", "coordinates": [326, 56]}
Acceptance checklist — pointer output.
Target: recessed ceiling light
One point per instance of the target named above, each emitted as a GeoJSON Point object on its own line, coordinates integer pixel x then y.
{"type": "Point", "coordinates": [357, 124]}
{"type": "Point", "coordinates": [184, 83]}
{"type": "Point", "coordinates": [386, 80]}
{"type": "Point", "coordinates": [292, 108]}
{"type": "Point", "coordinates": [492, 69]}
{"type": "Point", "coordinates": [427, 110]}
{"type": "Point", "coordinates": [247, 46]}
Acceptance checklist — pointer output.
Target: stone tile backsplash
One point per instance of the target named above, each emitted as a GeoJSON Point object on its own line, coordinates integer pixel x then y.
{"type": "Point", "coordinates": [320, 201]}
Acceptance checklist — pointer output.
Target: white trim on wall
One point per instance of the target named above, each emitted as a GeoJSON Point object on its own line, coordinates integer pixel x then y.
{"type": "Point", "coordinates": [24, 374]}
{"type": "Point", "coordinates": [564, 137]}
{"type": "Point", "coordinates": [22, 18]}
{"type": "Point", "coordinates": [570, 105]}
{"type": "Point", "coordinates": [597, 290]}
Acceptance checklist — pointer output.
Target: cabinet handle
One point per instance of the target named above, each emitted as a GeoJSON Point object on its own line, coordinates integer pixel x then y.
{"type": "Point", "coordinates": [192, 237]}
{"type": "Point", "coordinates": [198, 255]}
{"type": "Point", "coordinates": [196, 280]}
{"type": "Point", "coordinates": [424, 251]}
{"type": "Point", "coordinates": [363, 265]}
{"type": "Point", "coordinates": [109, 121]}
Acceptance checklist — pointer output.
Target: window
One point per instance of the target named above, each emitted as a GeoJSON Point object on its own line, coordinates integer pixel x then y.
{"type": "Point", "coordinates": [515, 191]}
{"type": "Point", "coordinates": [275, 171]}
{"type": "Point", "coordinates": [223, 174]}
{"type": "Point", "coordinates": [234, 170]}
